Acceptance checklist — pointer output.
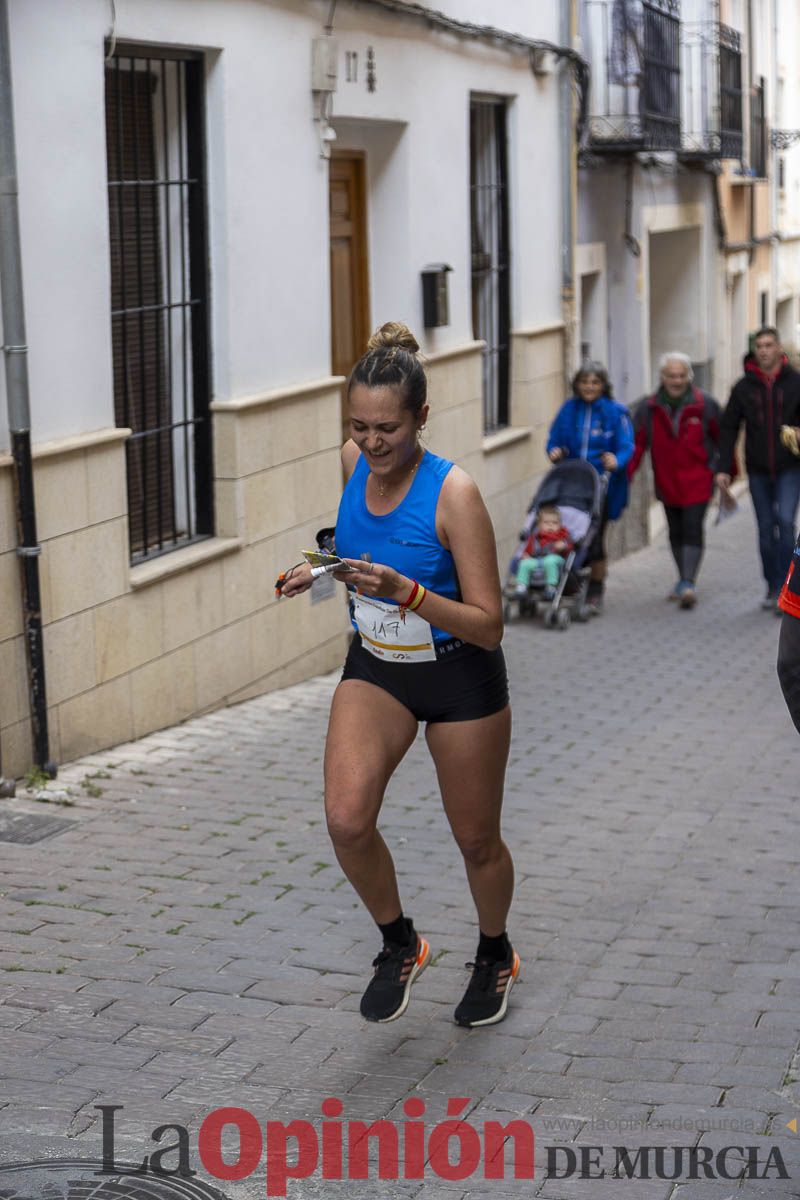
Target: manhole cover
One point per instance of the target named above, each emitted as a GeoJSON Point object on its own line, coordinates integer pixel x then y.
{"type": "Point", "coordinates": [27, 828]}
{"type": "Point", "coordinates": [79, 1179]}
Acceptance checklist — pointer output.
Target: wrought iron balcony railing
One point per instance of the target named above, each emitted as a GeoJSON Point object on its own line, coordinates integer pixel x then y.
{"type": "Point", "coordinates": [711, 91]}
{"type": "Point", "coordinates": [634, 49]}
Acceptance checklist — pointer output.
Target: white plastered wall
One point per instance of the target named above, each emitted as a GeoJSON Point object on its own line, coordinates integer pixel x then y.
{"type": "Point", "coordinates": [434, 153]}
{"type": "Point", "coordinates": [591, 300]}
{"type": "Point", "coordinates": [539, 20]}
{"type": "Point", "coordinates": [267, 185]}
{"type": "Point", "coordinates": [663, 313]}
{"type": "Point", "coordinates": [737, 310]}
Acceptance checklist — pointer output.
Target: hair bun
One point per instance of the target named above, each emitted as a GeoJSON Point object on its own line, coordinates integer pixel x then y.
{"type": "Point", "coordinates": [393, 335]}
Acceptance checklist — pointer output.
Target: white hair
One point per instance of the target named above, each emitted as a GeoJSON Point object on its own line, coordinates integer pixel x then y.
{"type": "Point", "coordinates": [675, 356]}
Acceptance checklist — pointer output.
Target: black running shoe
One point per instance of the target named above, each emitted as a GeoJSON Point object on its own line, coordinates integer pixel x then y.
{"type": "Point", "coordinates": [486, 998]}
{"type": "Point", "coordinates": [396, 968]}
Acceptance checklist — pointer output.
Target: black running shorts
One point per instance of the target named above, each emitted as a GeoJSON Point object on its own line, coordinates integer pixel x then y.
{"type": "Point", "coordinates": [464, 684]}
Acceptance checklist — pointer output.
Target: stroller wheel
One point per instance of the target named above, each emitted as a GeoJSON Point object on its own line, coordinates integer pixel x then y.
{"type": "Point", "coordinates": [551, 619]}
{"type": "Point", "coordinates": [563, 618]}
{"type": "Point", "coordinates": [582, 613]}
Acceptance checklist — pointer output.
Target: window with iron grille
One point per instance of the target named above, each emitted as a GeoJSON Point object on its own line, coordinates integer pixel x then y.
{"type": "Point", "coordinates": [159, 293]}
{"type": "Point", "coordinates": [758, 130]}
{"type": "Point", "coordinates": [661, 102]}
{"type": "Point", "coordinates": [730, 92]}
{"type": "Point", "coordinates": [491, 307]}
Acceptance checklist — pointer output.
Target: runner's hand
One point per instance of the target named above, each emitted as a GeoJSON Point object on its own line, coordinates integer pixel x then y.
{"type": "Point", "coordinates": [556, 454]}
{"type": "Point", "coordinates": [609, 461]}
{"type": "Point", "coordinates": [723, 481]}
{"type": "Point", "coordinates": [298, 580]}
{"type": "Point", "coordinates": [375, 579]}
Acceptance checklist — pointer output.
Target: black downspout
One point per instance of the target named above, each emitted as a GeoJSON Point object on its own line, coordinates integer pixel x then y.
{"type": "Point", "coordinates": [7, 786]}
{"type": "Point", "coordinates": [15, 353]}
{"type": "Point", "coordinates": [29, 550]}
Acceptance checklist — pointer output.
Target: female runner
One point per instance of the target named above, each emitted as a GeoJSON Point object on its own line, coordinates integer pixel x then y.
{"type": "Point", "coordinates": [427, 609]}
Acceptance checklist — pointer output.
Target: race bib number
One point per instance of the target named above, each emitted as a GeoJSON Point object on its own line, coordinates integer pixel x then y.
{"type": "Point", "coordinates": [391, 635]}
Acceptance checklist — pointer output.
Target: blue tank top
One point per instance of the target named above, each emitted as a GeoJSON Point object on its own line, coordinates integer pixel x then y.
{"type": "Point", "coordinates": [404, 538]}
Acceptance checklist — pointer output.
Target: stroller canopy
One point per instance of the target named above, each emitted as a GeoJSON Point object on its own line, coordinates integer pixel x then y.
{"type": "Point", "coordinates": [570, 484]}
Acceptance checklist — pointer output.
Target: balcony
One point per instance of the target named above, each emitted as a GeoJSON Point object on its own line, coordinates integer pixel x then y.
{"type": "Point", "coordinates": [634, 50]}
{"type": "Point", "coordinates": [711, 92]}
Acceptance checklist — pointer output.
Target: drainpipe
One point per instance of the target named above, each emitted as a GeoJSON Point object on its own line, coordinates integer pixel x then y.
{"type": "Point", "coordinates": [569, 190]}
{"type": "Point", "coordinates": [772, 167]}
{"type": "Point", "coordinates": [15, 353]}
{"type": "Point", "coordinates": [7, 786]}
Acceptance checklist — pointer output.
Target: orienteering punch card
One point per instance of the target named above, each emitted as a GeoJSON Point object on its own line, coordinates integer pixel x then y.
{"type": "Point", "coordinates": [320, 558]}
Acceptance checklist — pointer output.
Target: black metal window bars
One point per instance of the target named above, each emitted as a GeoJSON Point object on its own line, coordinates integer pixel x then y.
{"type": "Point", "coordinates": [730, 93]}
{"type": "Point", "coordinates": [758, 130]}
{"type": "Point", "coordinates": [491, 260]}
{"type": "Point", "coordinates": [636, 60]}
{"type": "Point", "coordinates": [159, 293]}
{"type": "Point", "coordinates": [661, 100]}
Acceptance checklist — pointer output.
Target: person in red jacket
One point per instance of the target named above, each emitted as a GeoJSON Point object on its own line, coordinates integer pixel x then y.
{"type": "Point", "coordinates": [679, 425]}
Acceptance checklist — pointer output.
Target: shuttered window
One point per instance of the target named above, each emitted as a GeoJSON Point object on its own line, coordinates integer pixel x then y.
{"type": "Point", "coordinates": [159, 294]}
{"type": "Point", "coordinates": [661, 87]}
{"type": "Point", "coordinates": [730, 90]}
{"type": "Point", "coordinates": [491, 260]}
{"type": "Point", "coordinates": [758, 130]}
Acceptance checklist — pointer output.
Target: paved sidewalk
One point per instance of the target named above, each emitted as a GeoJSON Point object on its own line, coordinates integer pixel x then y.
{"type": "Point", "coordinates": [189, 942]}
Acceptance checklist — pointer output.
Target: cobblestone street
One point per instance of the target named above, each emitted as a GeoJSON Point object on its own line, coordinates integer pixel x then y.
{"type": "Point", "coordinates": [189, 943]}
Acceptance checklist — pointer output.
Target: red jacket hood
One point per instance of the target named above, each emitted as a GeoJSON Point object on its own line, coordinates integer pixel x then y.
{"type": "Point", "coordinates": [752, 368]}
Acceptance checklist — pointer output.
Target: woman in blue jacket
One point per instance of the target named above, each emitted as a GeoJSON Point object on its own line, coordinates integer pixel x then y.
{"type": "Point", "coordinates": [594, 426]}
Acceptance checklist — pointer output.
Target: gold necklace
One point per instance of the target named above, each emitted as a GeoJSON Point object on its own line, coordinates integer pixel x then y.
{"type": "Point", "coordinates": [383, 490]}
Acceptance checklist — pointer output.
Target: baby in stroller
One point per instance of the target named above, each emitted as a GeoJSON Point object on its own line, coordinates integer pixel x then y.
{"type": "Point", "coordinates": [543, 555]}
{"type": "Point", "coordinates": [568, 505]}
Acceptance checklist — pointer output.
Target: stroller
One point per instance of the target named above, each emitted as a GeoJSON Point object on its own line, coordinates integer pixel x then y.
{"type": "Point", "coordinates": [578, 491]}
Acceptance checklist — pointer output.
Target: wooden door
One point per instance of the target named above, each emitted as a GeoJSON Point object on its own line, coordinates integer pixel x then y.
{"type": "Point", "coordinates": [349, 277]}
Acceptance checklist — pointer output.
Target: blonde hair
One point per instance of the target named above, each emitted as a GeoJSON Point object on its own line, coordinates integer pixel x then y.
{"type": "Point", "coordinates": [392, 360]}
{"type": "Point", "coordinates": [393, 334]}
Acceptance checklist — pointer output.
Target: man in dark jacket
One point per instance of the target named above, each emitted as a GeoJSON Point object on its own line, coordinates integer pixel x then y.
{"type": "Point", "coordinates": [766, 398]}
{"type": "Point", "coordinates": [679, 425]}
